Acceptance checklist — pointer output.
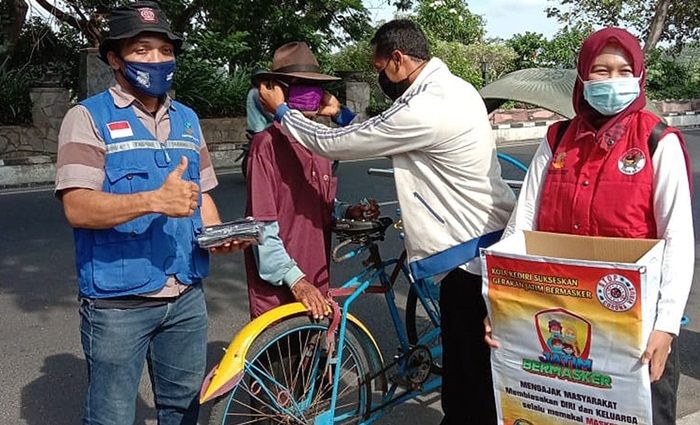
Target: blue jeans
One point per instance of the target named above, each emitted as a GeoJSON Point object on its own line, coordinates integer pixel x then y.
{"type": "Point", "coordinates": [117, 342]}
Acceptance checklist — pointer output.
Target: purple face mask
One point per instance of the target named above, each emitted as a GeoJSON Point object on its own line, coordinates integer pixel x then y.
{"type": "Point", "coordinates": [305, 98]}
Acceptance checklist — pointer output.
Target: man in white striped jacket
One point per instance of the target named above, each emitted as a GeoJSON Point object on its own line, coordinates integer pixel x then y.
{"type": "Point", "coordinates": [448, 180]}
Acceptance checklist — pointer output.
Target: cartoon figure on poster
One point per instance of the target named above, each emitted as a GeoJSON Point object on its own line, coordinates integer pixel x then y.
{"type": "Point", "coordinates": [562, 334]}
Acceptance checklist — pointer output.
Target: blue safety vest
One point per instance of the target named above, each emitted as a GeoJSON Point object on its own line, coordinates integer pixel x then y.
{"type": "Point", "coordinates": [138, 256]}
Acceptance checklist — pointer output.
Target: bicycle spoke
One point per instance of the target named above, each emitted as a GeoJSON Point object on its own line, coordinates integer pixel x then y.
{"type": "Point", "coordinates": [291, 368]}
{"type": "Point", "coordinates": [329, 387]}
{"type": "Point", "coordinates": [302, 349]}
{"type": "Point", "coordinates": [314, 364]}
{"type": "Point", "coordinates": [281, 361]}
{"type": "Point", "coordinates": [276, 413]}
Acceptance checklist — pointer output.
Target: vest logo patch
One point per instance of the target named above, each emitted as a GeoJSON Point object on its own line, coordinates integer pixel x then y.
{"type": "Point", "coordinates": [632, 162]}
{"type": "Point", "coordinates": [119, 129]}
{"type": "Point", "coordinates": [558, 162]}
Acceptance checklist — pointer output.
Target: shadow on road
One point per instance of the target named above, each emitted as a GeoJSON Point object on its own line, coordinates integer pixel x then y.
{"type": "Point", "coordinates": [689, 344]}
{"type": "Point", "coordinates": [414, 413]}
{"type": "Point", "coordinates": [56, 397]}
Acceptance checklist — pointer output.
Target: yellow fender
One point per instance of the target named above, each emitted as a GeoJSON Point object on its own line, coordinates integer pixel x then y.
{"type": "Point", "coordinates": [225, 375]}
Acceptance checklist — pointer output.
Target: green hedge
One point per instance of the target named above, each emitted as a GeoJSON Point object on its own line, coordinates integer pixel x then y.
{"type": "Point", "coordinates": [16, 107]}
{"type": "Point", "coordinates": [210, 90]}
{"type": "Point", "coordinates": [668, 78]}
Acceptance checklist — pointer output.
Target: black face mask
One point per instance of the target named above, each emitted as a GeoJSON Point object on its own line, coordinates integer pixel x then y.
{"type": "Point", "coordinates": [395, 90]}
{"type": "Point", "coordinates": [391, 89]}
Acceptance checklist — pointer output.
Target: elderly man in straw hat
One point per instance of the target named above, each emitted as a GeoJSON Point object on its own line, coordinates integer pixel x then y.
{"type": "Point", "coordinates": [292, 190]}
{"type": "Point", "coordinates": [133, 172]}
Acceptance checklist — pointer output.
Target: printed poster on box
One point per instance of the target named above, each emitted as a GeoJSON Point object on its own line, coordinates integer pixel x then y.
{"type": "Point", "coordinates": [572, 315]}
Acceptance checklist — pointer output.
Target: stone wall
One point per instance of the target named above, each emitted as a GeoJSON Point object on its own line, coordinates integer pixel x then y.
{"type": "Point", "coordinates": [510, 116]}
{"type": "Point", "coordinates": [677, 106]}
{"type": "Point", "coordinates": [49, 105]}
{"type": "Point", "coordinates": [224, 131]}
{"type": "Point", "coordinates": [95, 75]}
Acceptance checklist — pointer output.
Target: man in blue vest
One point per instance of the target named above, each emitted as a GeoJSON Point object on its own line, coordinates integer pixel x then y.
{"type": "Point", "coordinates": [133, 173]}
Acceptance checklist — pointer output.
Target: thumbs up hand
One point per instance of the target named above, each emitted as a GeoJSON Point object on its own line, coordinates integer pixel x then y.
{"type": "Point", "coordinates": [178, 197]}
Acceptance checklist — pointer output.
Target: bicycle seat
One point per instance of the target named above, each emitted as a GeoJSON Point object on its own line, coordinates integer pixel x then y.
{"type": "Point", "coordinates": [362, 230]}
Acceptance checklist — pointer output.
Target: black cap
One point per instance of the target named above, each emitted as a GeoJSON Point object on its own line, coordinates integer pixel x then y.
{"type": "Point", "coordinates": [129, 21]}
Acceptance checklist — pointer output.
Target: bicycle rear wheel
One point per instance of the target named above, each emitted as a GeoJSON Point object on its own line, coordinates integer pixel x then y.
{"type": "Point", "coordinates": [418, 318]}
{"type": "Point", "coordinates": [287, 380]}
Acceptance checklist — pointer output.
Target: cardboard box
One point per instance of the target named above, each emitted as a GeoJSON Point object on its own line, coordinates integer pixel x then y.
{"type": "Point", "coordinates": [573, 315]}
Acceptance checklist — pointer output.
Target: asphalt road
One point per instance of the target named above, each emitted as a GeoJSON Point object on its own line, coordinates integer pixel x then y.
{"type": "Point", "coordinates": [42, 372]}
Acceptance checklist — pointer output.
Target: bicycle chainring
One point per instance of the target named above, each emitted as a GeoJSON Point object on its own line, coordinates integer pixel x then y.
{"type": "Point", "coordinates": [418, 364]}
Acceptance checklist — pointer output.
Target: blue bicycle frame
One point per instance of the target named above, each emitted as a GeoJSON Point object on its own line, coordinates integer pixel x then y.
{"type": "Point", "coordinates": [361, 283]}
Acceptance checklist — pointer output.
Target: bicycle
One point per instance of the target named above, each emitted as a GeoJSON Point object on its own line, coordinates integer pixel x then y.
{"type": "Point", "coordinates": [284, 367]}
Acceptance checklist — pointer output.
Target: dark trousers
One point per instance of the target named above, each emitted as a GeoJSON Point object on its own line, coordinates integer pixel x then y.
{"type": "Point", "coordinates": [467, 387]}
{"type": "Point", "coordinates": [663, 392]}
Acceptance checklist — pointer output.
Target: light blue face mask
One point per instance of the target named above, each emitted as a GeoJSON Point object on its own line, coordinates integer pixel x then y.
{"type": "Point", "coordinates": [612, 95]}
{"type": "Point", "coordinates": [257, 118]}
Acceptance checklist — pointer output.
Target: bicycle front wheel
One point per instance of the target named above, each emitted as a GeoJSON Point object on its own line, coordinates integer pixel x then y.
{"type": "Point", "coordinates": [288, 379]}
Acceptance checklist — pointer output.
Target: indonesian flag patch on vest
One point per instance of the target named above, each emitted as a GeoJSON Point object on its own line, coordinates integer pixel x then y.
{"type": "Point", "coordinates": [119, 129]}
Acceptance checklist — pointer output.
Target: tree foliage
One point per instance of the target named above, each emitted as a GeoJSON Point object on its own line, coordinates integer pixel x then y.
{"type": "Point", "coordinates": [12, 17]}
{"type": "Point", "coordinates": [42, 51]}
{"type": "Point", "coordinates": [449, 20]}
{"type": "Point", "coordinates": [261, 25]}
{"type": "Point", "coordinates": [534, 50]}
{"type": "Point", "coordinates": [529, 47]}
{"type": "Point", "coordinates": [671, 77]}
{"type": "Point", "coordinates": [323, 24]}
{"type": "Point", "coordinates": [562, 50]}
{"type": "Point", "coordinates": [673, 21]}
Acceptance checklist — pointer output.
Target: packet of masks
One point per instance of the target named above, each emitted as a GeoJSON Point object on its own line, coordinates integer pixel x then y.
{"type": "Point", "coordinates": [243, 230]}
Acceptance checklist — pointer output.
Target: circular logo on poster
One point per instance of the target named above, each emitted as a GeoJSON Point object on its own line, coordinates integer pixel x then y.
{"type": "Point", "coordinates": [616, 293]}
{"type": "Point", "coordinates": [522, 422]}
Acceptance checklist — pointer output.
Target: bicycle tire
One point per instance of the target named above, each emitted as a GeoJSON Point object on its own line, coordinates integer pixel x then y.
{"type": "Point", "coordinates": [412, 325]}
{"type": "Point", "coordinates": [244, 166]}
{"type": "Point", "coordinates": [222, 405]}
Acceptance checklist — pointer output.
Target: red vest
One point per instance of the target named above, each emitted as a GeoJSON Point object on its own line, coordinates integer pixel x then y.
{"type": "Point", "coordinates": [601, 184]}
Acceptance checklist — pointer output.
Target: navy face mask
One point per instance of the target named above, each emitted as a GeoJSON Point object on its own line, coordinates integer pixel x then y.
{"type": "Point", "coordinates": [152, 79]}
